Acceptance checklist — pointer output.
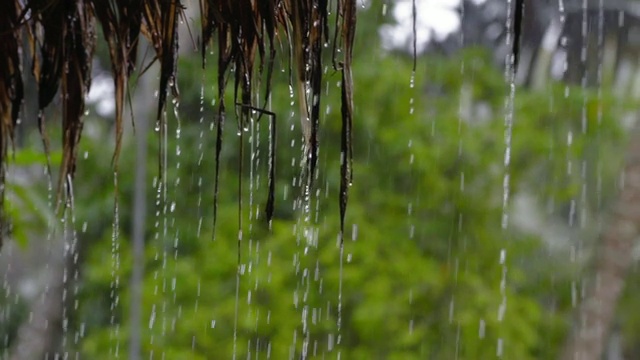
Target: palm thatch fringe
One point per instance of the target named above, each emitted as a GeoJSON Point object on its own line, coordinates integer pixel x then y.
{"type": "Point", "coordinates": [62, 36]}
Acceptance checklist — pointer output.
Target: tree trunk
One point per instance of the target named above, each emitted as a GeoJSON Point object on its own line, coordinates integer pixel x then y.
{"type": "Point", "coordinates": [596, 312]}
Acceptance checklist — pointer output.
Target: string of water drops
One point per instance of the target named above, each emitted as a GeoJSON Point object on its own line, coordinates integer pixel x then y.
{"type": "Point", "coordinates": [71, 250]}
{"type": "Point", "coordinates": [601, 59]}
{"type": "Point", "coordinates": [164, 153]}
{"type": "Point", "coordinates": [412, 82]}
{"type": "Point", "coordinates": [200, 149]}
{"type": "Point", "coordinates": [115, 273]}
{"type": "Point", "coordinates": [303, 230]}
{"type": "Point", "coordinates": [253, 158]}
{"type": "Point", "coordinates": [510, 71]}
{"type": "Point", "coordinates": [7, 311]}
{"type": "Point", "coordinates": [464, 114]}
{"type": "Point", "coordinates": [51, 222]}
{"type": "Point", "coordinates": [200, 155]}
{"type": "Point", "coordinates": [159, 183]}
{"type": "Point", "coordinates": [239, 267]}
{"type": "Point", "coordinates": [173, 208]}
{"type": "Point", "coordinates": [76, 305]}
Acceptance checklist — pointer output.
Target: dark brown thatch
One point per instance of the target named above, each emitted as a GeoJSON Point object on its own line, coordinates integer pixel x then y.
{"type": "Point", "coordinates": [11, 88]}
{"type": "Point", "coordinates": [62, 36]}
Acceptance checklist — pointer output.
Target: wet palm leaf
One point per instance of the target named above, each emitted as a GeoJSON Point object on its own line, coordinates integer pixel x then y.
{"type": "Point", "coordinates": [347, 20]}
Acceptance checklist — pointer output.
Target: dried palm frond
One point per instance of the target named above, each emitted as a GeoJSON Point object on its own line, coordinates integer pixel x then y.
{"type": "Point", "coordinates": [62, 37]}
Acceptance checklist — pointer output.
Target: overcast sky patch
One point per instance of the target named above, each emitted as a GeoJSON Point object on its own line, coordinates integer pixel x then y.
{"type": "Point", "coordinates": [434, 18]}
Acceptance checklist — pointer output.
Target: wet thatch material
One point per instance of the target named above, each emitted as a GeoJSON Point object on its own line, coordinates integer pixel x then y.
{"type": "Point", "coordinates": [62, 35]}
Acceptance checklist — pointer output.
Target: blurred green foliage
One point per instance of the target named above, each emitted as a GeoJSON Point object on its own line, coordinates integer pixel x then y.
{"type": "Point", "coordinates": [421, 274]}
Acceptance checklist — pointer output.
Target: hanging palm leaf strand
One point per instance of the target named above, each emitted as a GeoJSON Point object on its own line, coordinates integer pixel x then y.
{"type": "Point", "coordinates": [310, 25]}
{"type": "Point", "coordinates": [120, 21]}
{"type": "Point", "coordinates": [270, 15]}
{"type": "Point", "coordinates": [161, 28]}
{"type": "Point", "coordinates": [213, 15]}
{"type": "Point", "coordinates": [347, 24]}
{"type": "Point", "coordinates": [11, 87]}
{"type": "Point", "coordinates": [517, 33]}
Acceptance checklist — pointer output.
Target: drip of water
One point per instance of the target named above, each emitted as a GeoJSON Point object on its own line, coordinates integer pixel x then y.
{"type": "Point", "coordinates": [70, 282]}
{"type": "Point", "coordinates": [115, 275]}
{"type": "Point", "coordinates": [510, 72]}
